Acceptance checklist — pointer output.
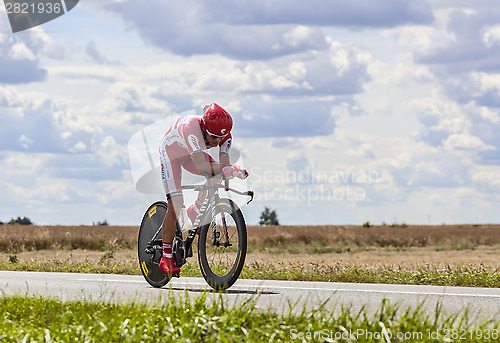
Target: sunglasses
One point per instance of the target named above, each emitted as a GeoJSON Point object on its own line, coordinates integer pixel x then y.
{"type": "Point", "coordinates": [213, 135]}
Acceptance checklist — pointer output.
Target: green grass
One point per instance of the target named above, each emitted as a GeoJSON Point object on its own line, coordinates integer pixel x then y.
{"type": "Point", "coordinates": [86, 267]}
{"type": "Point", "coordinates": [83, 267]}
{"type": "Point", "coordinates": [199, 319]}
{"type": "Point", "coordinates": [464, 276]}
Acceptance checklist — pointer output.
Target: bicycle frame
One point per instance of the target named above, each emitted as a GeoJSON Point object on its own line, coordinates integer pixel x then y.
{"type": "Point", "coordinates": [208, 206]}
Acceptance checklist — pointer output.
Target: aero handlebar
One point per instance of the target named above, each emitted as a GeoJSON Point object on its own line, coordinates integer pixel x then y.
{"type": "Point", "coordinates": [226, 187]}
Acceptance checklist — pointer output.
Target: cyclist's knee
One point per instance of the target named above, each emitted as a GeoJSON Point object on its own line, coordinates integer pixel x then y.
{"type": "Point", "coordinates": [174, 204]}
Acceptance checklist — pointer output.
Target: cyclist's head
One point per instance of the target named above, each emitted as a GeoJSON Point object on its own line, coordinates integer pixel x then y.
{"type": "Point", "coordinates": [216, 121]}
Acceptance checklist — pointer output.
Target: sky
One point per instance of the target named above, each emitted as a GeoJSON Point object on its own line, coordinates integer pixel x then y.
{"type": "Point", "coordinates": [344, 112]}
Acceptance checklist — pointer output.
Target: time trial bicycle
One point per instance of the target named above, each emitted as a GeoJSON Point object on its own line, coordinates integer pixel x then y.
{"type": "Point", "coordinates": [222, 239]}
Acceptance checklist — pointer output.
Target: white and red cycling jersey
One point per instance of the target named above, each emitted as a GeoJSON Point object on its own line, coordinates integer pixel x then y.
{"type": "Point", "coordinates": [180, 143]}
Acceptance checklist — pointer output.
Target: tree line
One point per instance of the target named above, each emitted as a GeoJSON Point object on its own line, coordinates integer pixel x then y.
{"type": "Point", "coordinates": [18, 221]}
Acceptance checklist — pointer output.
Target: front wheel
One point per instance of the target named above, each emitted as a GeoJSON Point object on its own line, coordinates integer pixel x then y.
{"type": "Point", "coordinates": [222, 246]}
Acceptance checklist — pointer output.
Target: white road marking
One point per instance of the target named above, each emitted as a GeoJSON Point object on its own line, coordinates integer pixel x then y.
{"type": "Point", "coordinates": [121, 281]}
{"type": "Point", "coordinates": [322, 289]}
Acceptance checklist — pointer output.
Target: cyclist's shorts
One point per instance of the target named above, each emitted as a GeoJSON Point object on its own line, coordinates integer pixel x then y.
{"type": "Point", "coordinates": [171, 172]}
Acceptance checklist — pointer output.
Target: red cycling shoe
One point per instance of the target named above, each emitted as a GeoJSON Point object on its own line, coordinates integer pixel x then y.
{"type": "Point", "coordinates": [167, 265]}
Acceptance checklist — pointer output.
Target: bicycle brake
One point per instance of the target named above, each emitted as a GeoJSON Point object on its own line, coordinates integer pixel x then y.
{"type": "Point", "coordinates": [250, 194]}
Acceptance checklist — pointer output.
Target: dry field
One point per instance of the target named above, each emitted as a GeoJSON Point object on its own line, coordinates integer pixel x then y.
{"type": "Point", "coordinates": [18, 238]}
{"type": "Point", "coordinates": [377, 236]}
{"type": "Point", "coordinates": [412, 247]}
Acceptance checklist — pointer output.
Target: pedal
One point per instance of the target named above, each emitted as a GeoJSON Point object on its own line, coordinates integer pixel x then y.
{"type": "Point", "coordinates": [176, 275]}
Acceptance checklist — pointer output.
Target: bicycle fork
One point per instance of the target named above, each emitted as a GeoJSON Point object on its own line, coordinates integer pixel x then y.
{"type": "Point", "coordinates": [216, 234]}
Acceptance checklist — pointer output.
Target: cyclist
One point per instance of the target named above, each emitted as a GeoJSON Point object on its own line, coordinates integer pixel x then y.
{"type": "Point", "coordinates": [183, 147]}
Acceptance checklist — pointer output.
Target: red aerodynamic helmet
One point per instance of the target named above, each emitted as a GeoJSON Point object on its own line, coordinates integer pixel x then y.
{"type": "Point", "coordinates": [216, 121]}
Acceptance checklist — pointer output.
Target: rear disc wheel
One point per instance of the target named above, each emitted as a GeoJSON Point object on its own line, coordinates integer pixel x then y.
{"type": "Point", "coordinates": [149, 261]}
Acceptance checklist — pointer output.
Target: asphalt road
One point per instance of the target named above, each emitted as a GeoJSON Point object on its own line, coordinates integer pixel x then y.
{"type": "Point", "coordinates": [483, 303]}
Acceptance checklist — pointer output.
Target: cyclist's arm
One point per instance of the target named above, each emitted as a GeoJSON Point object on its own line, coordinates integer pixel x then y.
{"type": "Point", "coordinates": [224, 148]}
{"type": "Point", "coordinates": [224, 159]}
{"type": "Point", "coordinates": [204, 166]}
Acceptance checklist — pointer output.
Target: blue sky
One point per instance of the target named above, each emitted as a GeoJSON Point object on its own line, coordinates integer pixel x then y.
{"type": "Point", "coordinates": [355, 111]}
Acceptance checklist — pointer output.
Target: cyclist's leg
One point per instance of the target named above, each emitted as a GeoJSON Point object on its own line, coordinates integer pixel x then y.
{"type": "Point", "coordinates": [171, 181]}
{"type": "Point", "coordinates": [194, 209]}
{"type": "Point", "coordinates": [169, 221]}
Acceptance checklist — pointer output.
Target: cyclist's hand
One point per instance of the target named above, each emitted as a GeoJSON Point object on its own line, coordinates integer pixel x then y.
{"type": "Point", "coordinates": [242, 172]}
{"type": "Point", "coordinates": [214, 181]}
{"type": "Point", "coordinates": [234, 171]}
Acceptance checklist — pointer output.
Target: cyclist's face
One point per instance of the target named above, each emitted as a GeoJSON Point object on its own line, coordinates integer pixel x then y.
{"type": "Point", "coordinates": [213, 140]}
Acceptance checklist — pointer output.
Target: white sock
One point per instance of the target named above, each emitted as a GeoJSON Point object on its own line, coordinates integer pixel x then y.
{"type": "Point", "coordinates": [167, 250]}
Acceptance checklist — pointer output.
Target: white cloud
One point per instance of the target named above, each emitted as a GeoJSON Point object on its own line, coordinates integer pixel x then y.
{"type": "Point", "coordinates": [78, 147]}
{"type": "Point", "coordinates": [341, 69]}
{"type": "Point", "coordinates": [424, 40]}
{"type": "Point", "coordinates": [257, 91]}
{"type": "Point", "coordinates": [487, 178]}
{"type": "Point", "coordinates": [471, 45]}
{"type": "Point", "coordinates": [25, 142]}
{"type": "Point", "coordinates": [130, 97]}
{"type": "Point", "coordinates": [454, 126]}
{"type": "Point", "coordinates": [20, 57]}
{"type": "Point", "coordinates": [111, 153]}
{"type": "Point", "coordinates": [489, 115]}
{"type": "Point", "coordinates": [35, 128]}
{"type": "Point", "coordinates": [258, 29]}
{"type": "Point", "coordinates": [491, 35]}
{"type": "Point", "coordinates": [301, 35]}
{"type": "Point", "coordinates": [95, 54]}
{"type": "Point", "coordinates": [431, 167]}
{"type": "Point", "coordinates": [440, 118]}
{"type": "Point", "coordinates": [465, 142]}
{"type": "Point", "coordinates": [19, 51]}
{"type": "Point", "coordinates": [9, 97]}
{"type": "Point", "coordinates": [362, 150]}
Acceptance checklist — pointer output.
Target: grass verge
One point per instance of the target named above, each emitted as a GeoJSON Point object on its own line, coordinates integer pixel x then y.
{"type": "Point", "coordinates": [463, 276]}
{"type": "Point", "coordinates": [199, 319]}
